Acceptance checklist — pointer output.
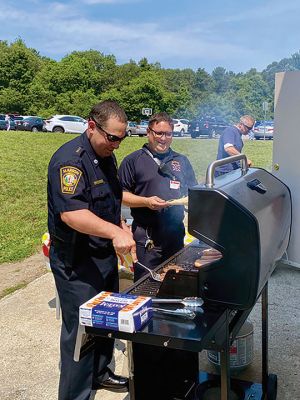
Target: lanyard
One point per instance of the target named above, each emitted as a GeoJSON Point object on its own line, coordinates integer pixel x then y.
{"type": "Point", "coordinates": [162, 166]}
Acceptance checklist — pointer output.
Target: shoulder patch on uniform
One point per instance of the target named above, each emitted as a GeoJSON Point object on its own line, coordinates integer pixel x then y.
{"type": "Point", "coordinates": [69, 178]}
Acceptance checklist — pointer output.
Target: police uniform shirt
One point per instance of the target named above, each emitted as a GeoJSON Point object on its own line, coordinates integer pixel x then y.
{"type": "Point", "coordinates": [231, 136]}
{"type": "Point", "coordinates": [141, 175]}
{"type": "Point", "coordinates": [78, 179]}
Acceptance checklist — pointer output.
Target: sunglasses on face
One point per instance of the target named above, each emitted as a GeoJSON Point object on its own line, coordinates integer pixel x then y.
{"type": "Point", "coordinates": [248, 127]}
{"type": "Point", "coordinates": [161, 134]}
{"type": "Point", "coordinates": [110, 137]}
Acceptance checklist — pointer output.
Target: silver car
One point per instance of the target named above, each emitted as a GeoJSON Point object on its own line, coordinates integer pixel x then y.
{"type": "Point", "coordinates": [141, 128]}
{"type": "Point", "coordinates": [131, 128]}
{"type": "Point", "coordinates": [264, 130]}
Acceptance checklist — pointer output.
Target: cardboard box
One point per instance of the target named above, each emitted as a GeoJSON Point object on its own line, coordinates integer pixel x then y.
{"type": "Point", "coordinates": [116, 311]}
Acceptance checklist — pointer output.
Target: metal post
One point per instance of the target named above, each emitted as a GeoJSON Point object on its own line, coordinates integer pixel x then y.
{"type": "Point", "coordinates": [131, 370]}
{"type": "Point", "coordinates": [265, 366]}
{"type": "Point", "coordinates": [225, 363]}
{"type": "Point", "coordinates": [265, 108]}
{"type": "Point", "coordinates": [265, 117]}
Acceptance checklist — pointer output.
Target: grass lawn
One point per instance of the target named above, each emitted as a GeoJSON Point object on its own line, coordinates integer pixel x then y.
{"type": "Point", "coordinates": [24, 157]}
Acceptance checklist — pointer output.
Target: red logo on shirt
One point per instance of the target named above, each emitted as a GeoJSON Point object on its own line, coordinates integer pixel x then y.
{"type": "Point", "coordinates": [175, 166]}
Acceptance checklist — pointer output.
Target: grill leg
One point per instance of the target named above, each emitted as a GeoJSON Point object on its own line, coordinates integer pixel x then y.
{"type": "Point", "coordinates": [131, 370]}
{"type": "Point", "coordinates": [225, 363]}
{"type": "Point", "coordinates": [264, 320]}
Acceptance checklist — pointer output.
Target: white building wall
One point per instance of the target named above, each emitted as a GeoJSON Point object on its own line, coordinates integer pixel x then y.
{"type": "Point", "coordinates": [286, 150]}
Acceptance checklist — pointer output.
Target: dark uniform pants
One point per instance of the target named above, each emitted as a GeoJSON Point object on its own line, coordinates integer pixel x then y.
{"type": "Point", "coordinates": [166, 243]}
{"type": "Point", "coordinates": [76, 377]}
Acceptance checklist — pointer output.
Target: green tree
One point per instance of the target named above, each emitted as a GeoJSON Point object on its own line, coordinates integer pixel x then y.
{"type": "Point", "coordinates": [221, 79]}
{"type": "Point", "coordinates": [13, 101]}
{"type": "Point", "coordinates": [149, 89]}
{"type": "Point", "coordinates": [248, 92]}
{"type": "Point", "coordinates": [18, 65]}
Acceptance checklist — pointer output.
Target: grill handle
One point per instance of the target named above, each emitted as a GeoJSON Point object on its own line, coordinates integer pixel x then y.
{"type": "Point", "coordinates": [210, 172]}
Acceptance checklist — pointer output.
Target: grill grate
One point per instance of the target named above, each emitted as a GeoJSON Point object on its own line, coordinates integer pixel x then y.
{"type": "Point", "coordinates": [185, 259]}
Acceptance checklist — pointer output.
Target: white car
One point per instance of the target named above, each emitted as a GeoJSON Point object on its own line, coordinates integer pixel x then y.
{"type": "Point", "coordinates": [180, 126]}
{"type": "Point", "coordinates": [66, 123]}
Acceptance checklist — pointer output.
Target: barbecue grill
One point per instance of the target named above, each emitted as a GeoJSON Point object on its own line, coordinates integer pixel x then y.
{"type": "Point", "coordinates": [246, 216]}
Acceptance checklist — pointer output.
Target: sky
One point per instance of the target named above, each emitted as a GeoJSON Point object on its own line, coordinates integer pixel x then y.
{"type": "Point", "coordinates": [235, 34]}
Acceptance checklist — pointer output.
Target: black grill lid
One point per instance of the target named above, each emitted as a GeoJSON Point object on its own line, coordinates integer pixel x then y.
{"type": "Point", "coordinates": [248, 218]}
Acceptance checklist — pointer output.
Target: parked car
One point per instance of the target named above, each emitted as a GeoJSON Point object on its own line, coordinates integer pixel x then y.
{"type": "Point", "coordinates": [180, 127]}
{"type": "Point", "coordinates": [131, 128]}
{"type": "Point", "coordinates": [33, 124]}
{"type": "Point", "coordinates": [18, 119]}
{"type": "Point", "coordinates": [66, 123]}
{"type": "Point", "coordinates": [3, 123]}
{"type": "Point", "coordinates": [141, 128]}
{"type": "Point", "coordinates": [207, 127]}
{"type": "Point", "coordinates": [263, 130]}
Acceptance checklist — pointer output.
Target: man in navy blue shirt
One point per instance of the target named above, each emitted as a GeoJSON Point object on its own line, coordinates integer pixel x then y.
{"type": "Point", "coordinates": [86, 231]}
{"type": "Point", "coordinates": [149, 177]}
{"type": "Point", "coordinates": [231, 143]}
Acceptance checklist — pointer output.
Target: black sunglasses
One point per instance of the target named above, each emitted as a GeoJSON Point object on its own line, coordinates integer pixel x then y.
{"type": "Point", "coordinates": [161, 134]}
{"type": "Point", "coordinates": [248, 127]}
{"type": "Point", "coordinates": [110, 137]}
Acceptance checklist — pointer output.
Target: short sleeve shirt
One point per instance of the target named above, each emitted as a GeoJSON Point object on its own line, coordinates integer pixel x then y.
{"type": "Point", "coordinates": [78, 179]}
{"type": "Point", "coordinates": [230, 136]}
{"type": "Point", "coordinates": [141, 175]}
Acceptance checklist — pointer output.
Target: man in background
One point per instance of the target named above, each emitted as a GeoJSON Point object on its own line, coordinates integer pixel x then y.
{"type": "Point", "coordinates": [231, 143]}
{"type": "Point", "coordinates": [150, 177]}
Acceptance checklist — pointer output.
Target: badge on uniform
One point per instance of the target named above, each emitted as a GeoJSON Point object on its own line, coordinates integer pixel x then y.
{"type": "Point", "coordinates": [69, 178]}
{"type": "Point", "coordinates": [174, 185]}
{"type": "Point", "coordinates": [176, 166]}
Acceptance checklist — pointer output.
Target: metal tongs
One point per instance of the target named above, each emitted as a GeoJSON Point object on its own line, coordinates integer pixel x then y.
{"type": "Point", "coordinates": [189, 302]}
{"type": "Point", "coordinates": [179, 312]}
{"type": "Point", "coordinates": [154, 275]}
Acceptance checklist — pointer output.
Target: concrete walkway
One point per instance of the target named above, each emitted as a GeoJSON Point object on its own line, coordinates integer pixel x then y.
{"type": "Point", "coordinates": [30, 340]}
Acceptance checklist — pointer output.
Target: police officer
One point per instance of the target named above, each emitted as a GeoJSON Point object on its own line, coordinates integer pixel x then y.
{"type": "Point", "coordinates": [149, 177]}
{"type": "Point", "coordinates": [231, 143]}
{"type": "Point", "coordinates": [84, 201]}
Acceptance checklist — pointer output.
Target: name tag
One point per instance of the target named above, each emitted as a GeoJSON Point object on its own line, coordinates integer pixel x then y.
{"type": "Point", "coordinates": [174, 185]}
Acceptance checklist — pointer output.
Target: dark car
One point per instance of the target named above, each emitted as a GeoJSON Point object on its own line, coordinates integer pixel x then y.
{"type": "Point", "coordinates": [17, 119]}
{"type": "Point", "coordinates": [33, 124]}
{"type": "Point", "coordinates": [3, 123]}
{"type": "Point", "coordinates": [209, 127]}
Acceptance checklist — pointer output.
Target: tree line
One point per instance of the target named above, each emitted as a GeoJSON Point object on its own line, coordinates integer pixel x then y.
{"type": "Point", "coordinates": [35, 85]}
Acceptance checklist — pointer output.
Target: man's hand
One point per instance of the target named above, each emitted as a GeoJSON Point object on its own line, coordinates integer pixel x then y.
{"type": "Point", "coordinates": [124, 226]}
{"type": "Point", "coordinates": [249, 162]}
{"type": "Point", "coordinates": [123, 243]}
{"type": "Point", "coordinates": [156, 203]}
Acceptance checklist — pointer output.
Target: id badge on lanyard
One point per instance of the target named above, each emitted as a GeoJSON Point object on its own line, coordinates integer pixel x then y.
{"type": "Point", "coordinates": [174, 185]}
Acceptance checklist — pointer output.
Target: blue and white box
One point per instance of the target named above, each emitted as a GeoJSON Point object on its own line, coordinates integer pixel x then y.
{"type": "Point", "coordinates": [116, 311]}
